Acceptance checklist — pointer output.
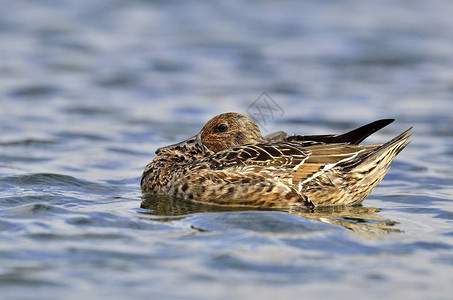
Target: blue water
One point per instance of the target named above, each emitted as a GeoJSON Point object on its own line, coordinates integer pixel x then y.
{"type": "Point", "coordinates": [89, 90]}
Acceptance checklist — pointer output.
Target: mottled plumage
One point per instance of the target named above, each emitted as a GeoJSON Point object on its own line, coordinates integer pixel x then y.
{"type": "Point", "coordinates": [229, 163]}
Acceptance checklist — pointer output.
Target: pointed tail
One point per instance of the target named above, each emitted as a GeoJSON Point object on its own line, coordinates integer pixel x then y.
{"type": "Point", "coordinates": [386, 151]}
{"type": "Point", "coordinates": [368, 169]}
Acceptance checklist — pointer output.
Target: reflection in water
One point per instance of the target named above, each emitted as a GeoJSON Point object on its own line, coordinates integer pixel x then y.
{"type": "Point", "coordinates": [356, 218]}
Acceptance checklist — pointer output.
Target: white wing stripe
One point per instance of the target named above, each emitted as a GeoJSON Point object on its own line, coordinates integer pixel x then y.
{"type": "Point", "coordinates": [328, 167]}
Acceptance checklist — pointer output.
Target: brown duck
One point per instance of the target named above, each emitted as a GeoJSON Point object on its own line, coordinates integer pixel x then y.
{"type": "Point", "coordinates": [229, 163]}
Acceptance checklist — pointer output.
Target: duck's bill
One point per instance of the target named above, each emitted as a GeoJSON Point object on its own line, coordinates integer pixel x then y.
{"type": "Point", "coordinates": [190, 142]}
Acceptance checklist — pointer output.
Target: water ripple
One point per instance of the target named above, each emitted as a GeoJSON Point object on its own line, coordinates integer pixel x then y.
{"type": "Point", "coordinates": [64, 182]}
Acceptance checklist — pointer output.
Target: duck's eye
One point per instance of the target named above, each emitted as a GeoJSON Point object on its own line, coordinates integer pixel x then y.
{"type": "Point", "coordinates": [221, 128]}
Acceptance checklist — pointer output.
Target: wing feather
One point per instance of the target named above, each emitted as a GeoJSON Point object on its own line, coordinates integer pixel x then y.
{"type": "Point", "coordinates": [297, 162]}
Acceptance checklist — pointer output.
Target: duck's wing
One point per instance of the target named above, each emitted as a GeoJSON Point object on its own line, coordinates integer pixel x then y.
{"type": "Point", "coordinates": [294, 160]}
{"type": "Point", "coordinates": [353, 137]}
{"type": "Point", "coordinates": [301, 160]}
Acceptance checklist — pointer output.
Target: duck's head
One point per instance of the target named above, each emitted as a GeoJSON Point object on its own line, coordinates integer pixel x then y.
{"type": "Point", "coordinates": [223, 132]}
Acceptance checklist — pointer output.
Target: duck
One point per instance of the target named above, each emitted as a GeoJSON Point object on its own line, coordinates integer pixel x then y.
{"type": "Point", "coordinates": [229, 163]}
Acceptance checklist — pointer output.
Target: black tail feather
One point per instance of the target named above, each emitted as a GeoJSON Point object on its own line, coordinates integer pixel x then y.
{"type": "Point", "coordinates": [353, 137]}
